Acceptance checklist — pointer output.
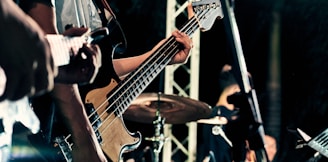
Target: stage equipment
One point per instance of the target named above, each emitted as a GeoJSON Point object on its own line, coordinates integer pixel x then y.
{"type": "Point", "coordinates": [175, 109]}
{"type": "Point", "coordinates": [319, 143]}
{"type": "Point", "coordinates": [256, 139]}
{"type": "Point", "coordinates": [158, 139]}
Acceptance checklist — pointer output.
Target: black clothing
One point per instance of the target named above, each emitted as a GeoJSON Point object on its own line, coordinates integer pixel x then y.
{"type": "Point", "coordinates": [214, 145]}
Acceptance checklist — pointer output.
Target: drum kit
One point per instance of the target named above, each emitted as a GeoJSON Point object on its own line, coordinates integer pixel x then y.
{"type": "Point", "coordinates": [160, 109]}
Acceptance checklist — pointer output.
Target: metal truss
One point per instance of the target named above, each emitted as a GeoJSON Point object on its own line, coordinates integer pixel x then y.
{"type": "Point", "coordinates": [186, 86]}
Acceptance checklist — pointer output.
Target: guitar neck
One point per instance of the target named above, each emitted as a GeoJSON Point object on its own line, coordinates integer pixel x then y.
{"type": "Point", "coordinates": [63, 47]}
{"type": "Point", "coordinates": [111, 101]}
{"type": "Point", "coordinates": [136, 82]}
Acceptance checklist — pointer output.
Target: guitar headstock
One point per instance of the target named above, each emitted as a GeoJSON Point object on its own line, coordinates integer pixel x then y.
{"type": "Point", "coordinates": [206, 12]}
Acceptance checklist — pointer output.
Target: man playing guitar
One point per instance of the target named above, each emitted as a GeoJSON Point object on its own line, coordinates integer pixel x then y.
{"type": "Point", "coordinates": [27, 70]}
{"type": "Point", "coordinates": [67, 96]}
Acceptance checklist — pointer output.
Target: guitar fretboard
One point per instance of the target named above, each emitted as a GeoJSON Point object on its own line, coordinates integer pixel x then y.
{"type": "Point", "coordinates": [62, 47]}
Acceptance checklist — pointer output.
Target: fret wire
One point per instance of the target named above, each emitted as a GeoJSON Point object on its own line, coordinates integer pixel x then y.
{"type": "Point", "coordinates": [159, 65]}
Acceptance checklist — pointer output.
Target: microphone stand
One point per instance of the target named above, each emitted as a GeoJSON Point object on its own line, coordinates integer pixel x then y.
{"type": "Point", "coordinates": [240, 71]}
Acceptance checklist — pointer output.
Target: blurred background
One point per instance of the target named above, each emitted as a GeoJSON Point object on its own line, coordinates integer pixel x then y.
{"type": "Point", "coordinates": [285, 45]}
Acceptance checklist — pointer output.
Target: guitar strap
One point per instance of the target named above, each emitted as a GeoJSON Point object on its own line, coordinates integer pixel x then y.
{"type": "Point", "coordinates": [101, 8]}
{"type": "Point", "coordinates": [116, 37]}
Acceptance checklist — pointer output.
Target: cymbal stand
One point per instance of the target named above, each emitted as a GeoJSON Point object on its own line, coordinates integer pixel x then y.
{"type": "Point", "coordinates": [159, 139]}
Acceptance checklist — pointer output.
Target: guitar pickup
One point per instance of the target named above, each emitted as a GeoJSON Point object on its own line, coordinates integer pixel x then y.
{"type": "Point", "coordinates": [94, 120]}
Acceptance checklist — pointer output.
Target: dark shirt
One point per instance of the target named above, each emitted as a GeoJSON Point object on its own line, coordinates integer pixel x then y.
{"type": "Point", "coordinates": [214, 145]}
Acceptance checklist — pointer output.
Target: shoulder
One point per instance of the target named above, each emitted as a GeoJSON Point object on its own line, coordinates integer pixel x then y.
{"type": "Point", "coordinates": [26, 5]}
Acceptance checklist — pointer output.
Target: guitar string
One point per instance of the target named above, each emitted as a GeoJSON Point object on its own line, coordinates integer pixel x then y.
{"type": "Point", "coordinates": [121, 86]}
{"type": "Point", "coordinates": [169, 42]}
{"type": "Point", "coordinates": [193, 20]}
{"type": "Point", "coordinates": [173, 47]}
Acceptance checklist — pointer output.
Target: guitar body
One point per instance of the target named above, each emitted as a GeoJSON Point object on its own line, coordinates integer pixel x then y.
{"type": "Point", "coordinates": [116, 139]}
{"type": "Point", "coordinates": [107, 98]}
{"type": "Point", "coordinates": [111, 131]}
{"type": "Point", "coordinates": [110, 97]}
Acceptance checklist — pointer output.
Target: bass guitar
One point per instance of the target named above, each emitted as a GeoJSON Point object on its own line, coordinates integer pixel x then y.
{"type": "Point", "coordinates": [110, 100]}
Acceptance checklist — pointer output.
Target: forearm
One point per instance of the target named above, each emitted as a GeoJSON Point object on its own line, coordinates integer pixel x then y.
{"type": "Point", "coordinates": [68, 101]}
{"type": "Point", "coordinates": [46, 20]}
{"type": "Point", "coordinates": [124, 66]}
{"type": "Point", "coordinates": [71, 108]}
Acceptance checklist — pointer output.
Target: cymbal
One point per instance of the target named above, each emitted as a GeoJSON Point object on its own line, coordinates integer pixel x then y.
{"type": "Point", "coordinates": [173, 108]}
